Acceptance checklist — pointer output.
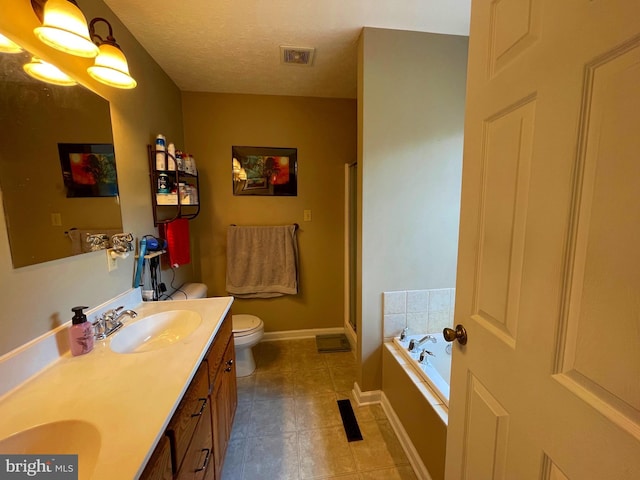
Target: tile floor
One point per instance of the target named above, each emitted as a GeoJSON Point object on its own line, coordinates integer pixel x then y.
{"type": "Point", "coordinates": [288, 426]}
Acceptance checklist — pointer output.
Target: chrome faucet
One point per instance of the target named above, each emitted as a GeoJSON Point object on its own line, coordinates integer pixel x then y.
{"type": "Point", "coordinates": [423, 355]}
{"type": "Point", "coordinates": [403, 334]}
{"type": "Point", "coordinates": [111, 321]}
{"type": "Point", "coordinates": [413, 344]}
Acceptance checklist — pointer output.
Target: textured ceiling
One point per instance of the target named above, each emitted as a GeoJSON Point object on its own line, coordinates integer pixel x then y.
{"type": "Point", "coordinates": [233, 46]}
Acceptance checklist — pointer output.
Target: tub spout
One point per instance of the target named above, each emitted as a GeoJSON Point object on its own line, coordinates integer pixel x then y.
{"type": "Point", "coordinates": [414, 344]}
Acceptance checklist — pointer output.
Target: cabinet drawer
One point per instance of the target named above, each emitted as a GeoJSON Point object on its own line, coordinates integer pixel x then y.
{"type": "Point", "coordinates": [193, 406]}
{"type": "Point", "coordinates": [216, 352]}
{"type": "Point", "coordinates": [198, 461]}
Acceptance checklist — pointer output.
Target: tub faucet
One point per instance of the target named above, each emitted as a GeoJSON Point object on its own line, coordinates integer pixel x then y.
{"type": "Point", "coordinates": [413, 344]}
{"type": "Point", "coordinates": [424, 353]}
{"type": "Point", "coordinates": [111, 321]}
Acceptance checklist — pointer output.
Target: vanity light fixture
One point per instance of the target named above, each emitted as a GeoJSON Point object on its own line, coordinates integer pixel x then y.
{"type": "Point", "coordinates": [46, 72]}
{"type": "Point", "coordinates": [64, 27]}
{"type": "Point", "coordinates": [7, 46]}
{"type": "Point", "coordinates": [110, 65]}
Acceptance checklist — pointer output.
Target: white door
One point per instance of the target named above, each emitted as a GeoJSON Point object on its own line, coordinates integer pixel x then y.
{"type": "Point", "coordinates": [548, 385]}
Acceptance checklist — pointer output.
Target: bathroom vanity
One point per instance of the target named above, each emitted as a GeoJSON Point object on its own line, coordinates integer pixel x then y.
{"type": "Point", "coordinates": [154, 400]}
{"type": "Point", "coordinates": [196, 439]}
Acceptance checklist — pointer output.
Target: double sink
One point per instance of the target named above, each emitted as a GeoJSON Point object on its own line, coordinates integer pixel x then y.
{"type": "Point", "coordinates": [144, 334]}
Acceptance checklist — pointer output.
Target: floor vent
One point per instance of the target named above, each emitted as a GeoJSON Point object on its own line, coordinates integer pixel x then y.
{"type": "Point", "coordinates": [351, 428]}
{"type": "Point", "coordinates": [333, 343]}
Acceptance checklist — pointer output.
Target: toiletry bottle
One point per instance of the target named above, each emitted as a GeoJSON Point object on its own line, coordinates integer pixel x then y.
{"type": "Point", "coordinates": [161, 161]}
{"type": "Point", "coordinates": [179, 161]}
{"type": "Point", "coordinates": [171, 157]}
{"type": "Point", "coordinates": [80, 333]}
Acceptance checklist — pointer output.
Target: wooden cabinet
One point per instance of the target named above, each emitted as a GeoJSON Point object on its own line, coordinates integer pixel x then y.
{"type": "Point", "coordinates": [159, 465]}
{"type": "Point", "coordinates": [197, 436]}
{"type": "Point", "coordinates": [198, 460]}
{"type": "Point", "coordinates": [189, 415]}
{"type": "Point", "coordinates": [224, 400]}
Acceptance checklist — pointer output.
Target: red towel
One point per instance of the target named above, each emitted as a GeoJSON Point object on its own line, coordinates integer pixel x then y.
{"type": "Point", "coordinates": [178, 244]}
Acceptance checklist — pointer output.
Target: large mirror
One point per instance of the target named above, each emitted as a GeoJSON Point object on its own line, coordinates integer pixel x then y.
{"type": "Point", "coordinates": [57, 169]}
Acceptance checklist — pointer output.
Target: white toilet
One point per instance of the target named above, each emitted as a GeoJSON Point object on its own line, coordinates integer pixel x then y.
{"type": "Point", "coordinates": [247, 329]}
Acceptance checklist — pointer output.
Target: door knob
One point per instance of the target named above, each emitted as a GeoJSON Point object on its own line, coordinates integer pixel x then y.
{"type": "Point", "coordinates": [459, 334]}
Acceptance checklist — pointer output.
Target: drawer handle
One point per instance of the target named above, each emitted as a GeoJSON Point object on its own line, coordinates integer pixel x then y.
{"type": "Point", "coordinates": [230, 362]}
{"type": "Point", "coordinates": [204, 403]}
{"type": "Point", "coordinates": [206, 459]}
{"type": "Point", "coordinates": [228, 369]}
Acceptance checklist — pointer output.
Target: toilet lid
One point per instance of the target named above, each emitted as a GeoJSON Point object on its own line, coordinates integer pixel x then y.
{"type": "Point", "coordinates": [245, 324]}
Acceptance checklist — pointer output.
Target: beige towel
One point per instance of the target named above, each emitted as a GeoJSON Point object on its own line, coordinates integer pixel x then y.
{"type": "Point", "coordinates": [262, 262]}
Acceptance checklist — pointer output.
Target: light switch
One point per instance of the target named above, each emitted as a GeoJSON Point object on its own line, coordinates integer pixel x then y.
{"type": "Point", "coordinates": [307, 215]}
{"type": "Point", "coordinates": [56, 219]}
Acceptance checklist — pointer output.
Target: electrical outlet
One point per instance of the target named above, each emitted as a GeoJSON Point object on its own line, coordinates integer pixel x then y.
{"type": "Point", "coordinates": [112, 263]}
{"type": "Point", "coordinates": [307, 215]}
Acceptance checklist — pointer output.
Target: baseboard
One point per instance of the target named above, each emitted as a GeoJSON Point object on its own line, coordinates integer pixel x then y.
{"type": "Point", "coordinates": [365, 398]}
{"type": "Point", "coordinates": [293, 334]}
{"type": "Point", "coordinates": [418, 466]}
{"type": "Point", "coordinates": [351, 336]}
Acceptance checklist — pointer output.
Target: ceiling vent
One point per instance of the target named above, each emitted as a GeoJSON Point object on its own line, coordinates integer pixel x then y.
{"type": "Point", "coordinates": [297, 55]}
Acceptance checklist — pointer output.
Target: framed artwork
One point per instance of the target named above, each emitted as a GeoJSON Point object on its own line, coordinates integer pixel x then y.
{"type": "Point", "coordinates": [88, 170]}
{"type": "Point", "coordinates": [265, 171]}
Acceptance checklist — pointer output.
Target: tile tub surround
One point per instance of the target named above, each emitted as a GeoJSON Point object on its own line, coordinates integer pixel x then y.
{"type": "Point", "coordinates": [288, 424]}
{"type": "Point", "coordinates": [140, 390]}
{"type": "Point", "coordinates": [421, 311]}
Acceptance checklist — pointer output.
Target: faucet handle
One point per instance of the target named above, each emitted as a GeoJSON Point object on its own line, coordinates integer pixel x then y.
{"type": "Point", "coordinates": [111, 313]}
{"type": "Point", "coordinates": [424, 353]}
{"type": "Point", "coordinates": [404, 332]}
{"type": "Point", "coordinates": [100, 328]}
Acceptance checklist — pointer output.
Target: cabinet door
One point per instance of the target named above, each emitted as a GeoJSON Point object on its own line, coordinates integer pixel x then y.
{"type": "Point", "coordinates": [224, 399]}
{"type": "Point", "coordinates": [188, 413]}
{"type": "Point", "coordinates": [217, 353]}
{"type": "Point", "coordinates": [159, 465]}
{"type": "Point", "coordinates": [198, 458]}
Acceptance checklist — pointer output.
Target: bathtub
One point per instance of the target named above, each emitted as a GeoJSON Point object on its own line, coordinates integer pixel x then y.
{"type": "Point", "coordinates": [436, 369]}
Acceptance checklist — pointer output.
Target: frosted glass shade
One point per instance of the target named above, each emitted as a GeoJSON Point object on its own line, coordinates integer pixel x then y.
{"type": "Point", "coordinates": [111, 68]}
{"type": "Point", "coordinates": [64, 28]}
{"type": "Point", "coordinates": [7, 46]}
{"type": "Point", "coordinates": [47, 72]}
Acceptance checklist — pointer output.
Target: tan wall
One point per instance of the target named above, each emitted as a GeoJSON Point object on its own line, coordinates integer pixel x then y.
{"type": "Point", "coordinates": [424, 427]}
{"type": "Point", "coordinates": [37, 298]}
{"type": "Point", "coordinates": [324, 132]}
{"type": "Point", "coordinates": [411, 90]}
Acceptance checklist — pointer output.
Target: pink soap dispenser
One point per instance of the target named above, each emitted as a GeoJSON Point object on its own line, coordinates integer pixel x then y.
{"type": "Point", "coordinates": [80, 333]}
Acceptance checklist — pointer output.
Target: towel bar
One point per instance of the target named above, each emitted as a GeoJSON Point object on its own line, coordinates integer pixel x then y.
{"type": "Point", "coordinates": [295, 225]}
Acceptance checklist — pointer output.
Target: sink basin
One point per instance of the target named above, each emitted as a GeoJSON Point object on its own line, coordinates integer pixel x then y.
{"type": "Point", "coordinates": [155, 331]}
{"type": "Point", "coordinates": [66, 437]}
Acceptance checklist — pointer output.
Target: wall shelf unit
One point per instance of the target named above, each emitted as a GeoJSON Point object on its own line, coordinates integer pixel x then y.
{"type": "Point", "coordinates": [182, 198]}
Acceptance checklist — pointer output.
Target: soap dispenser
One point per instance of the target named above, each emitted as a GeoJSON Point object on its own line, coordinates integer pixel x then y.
{"type": "Point", "coordinates": [80, 333]}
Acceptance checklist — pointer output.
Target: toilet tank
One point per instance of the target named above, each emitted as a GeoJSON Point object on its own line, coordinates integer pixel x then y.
{"type": "Point", "coordinates": [189, 291]}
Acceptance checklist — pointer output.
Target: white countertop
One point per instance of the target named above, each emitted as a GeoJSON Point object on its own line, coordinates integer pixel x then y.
{"type": "Point", "coordinates": [129, 398]}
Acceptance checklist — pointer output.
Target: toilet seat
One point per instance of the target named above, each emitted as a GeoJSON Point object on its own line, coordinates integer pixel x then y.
{"type": "Point", "coordinates": [244, 325]}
